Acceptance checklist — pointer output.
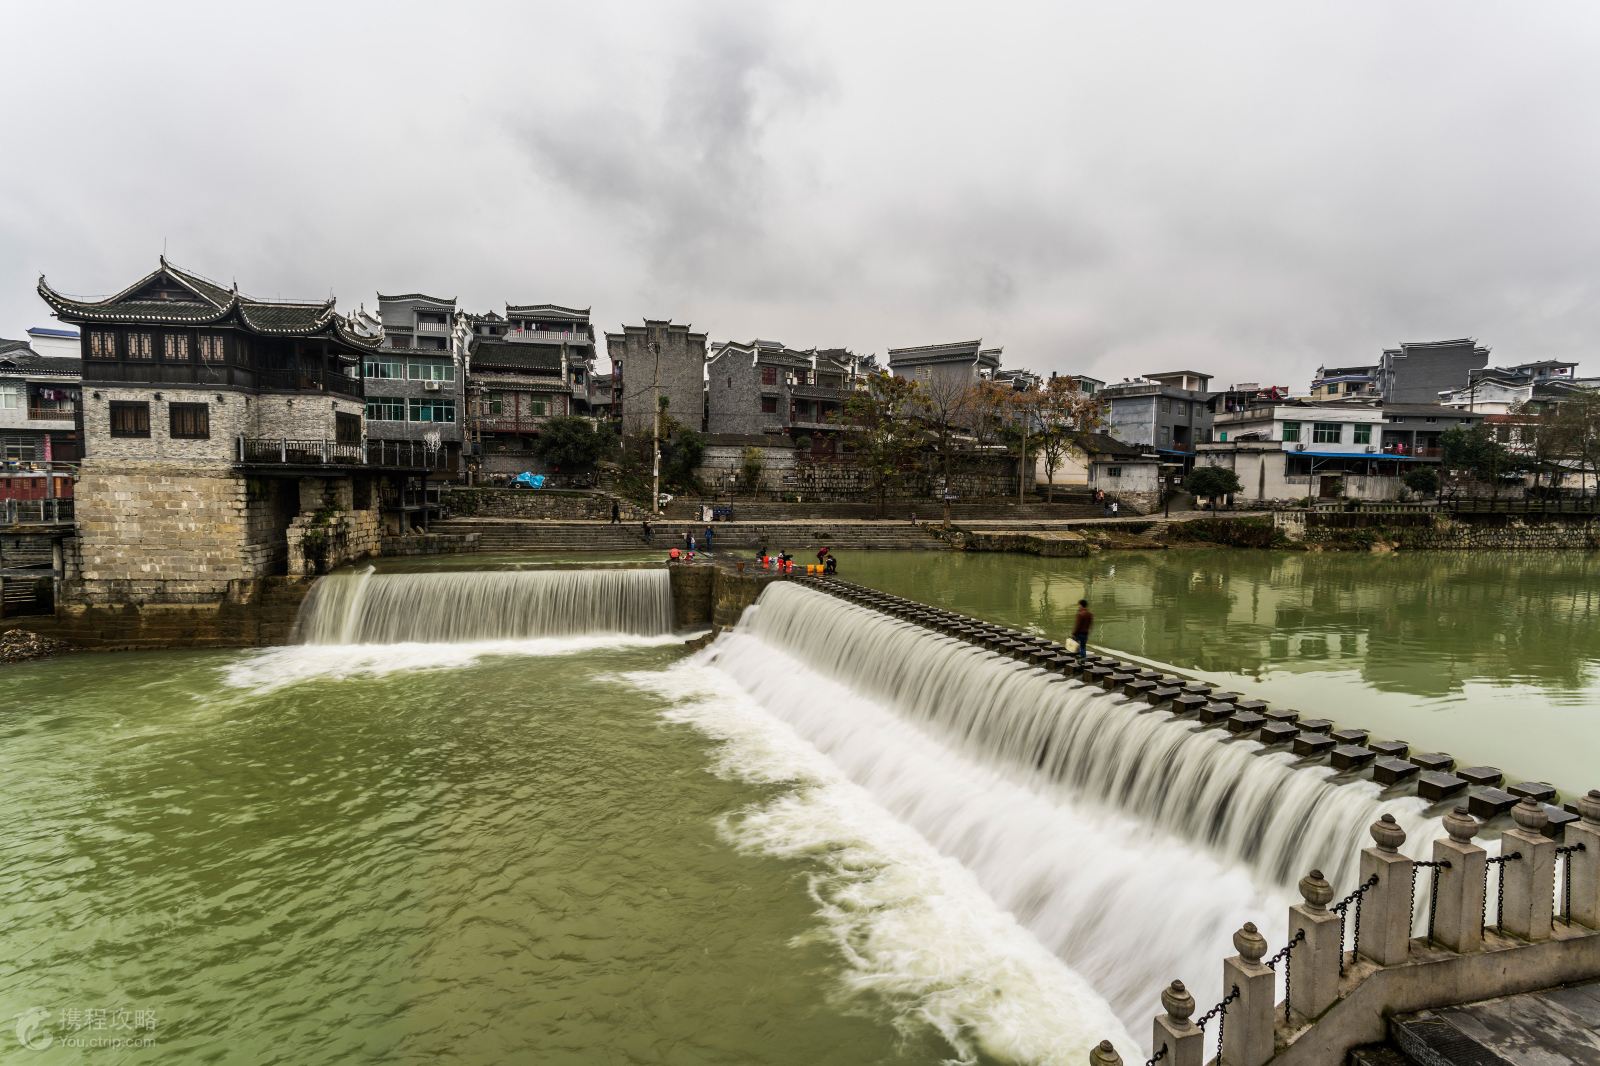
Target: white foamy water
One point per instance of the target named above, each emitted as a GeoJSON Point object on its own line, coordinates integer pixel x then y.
{"type": "Point", "coordinates": [295, 663]}
{"type": "Point", "coordinates": [913, 926]}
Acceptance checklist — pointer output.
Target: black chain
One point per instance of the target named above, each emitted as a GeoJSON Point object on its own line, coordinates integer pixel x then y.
{"type": "Point", "coordinates": [1157, 1057]}
{"type": "Point", "coordinates": [1220, 1012]}
{"type": "Point", "coordinates": [1340, 908]}
{"type": "Point", "coordinates": [1433, 891]}
{"type": "Point", "coordinates": [1286, 953]}
{"type": "Point", "coordinates": [1500, 889]}
{"type": "Point", "coordinates": [1565, 854]}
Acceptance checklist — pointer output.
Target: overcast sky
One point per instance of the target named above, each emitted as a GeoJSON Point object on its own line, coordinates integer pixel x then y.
{"type": "Point", "coordinates": [1248, 189]}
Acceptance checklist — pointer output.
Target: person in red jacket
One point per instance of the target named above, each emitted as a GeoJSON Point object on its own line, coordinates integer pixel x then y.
{"type": "Point", "coordinates": [1081, 626]}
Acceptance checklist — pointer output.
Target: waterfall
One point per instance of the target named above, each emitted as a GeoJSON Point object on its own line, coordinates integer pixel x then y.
{"type": "Point", "coordinates": [1131, 843]}
{"type": "Point", "coordinates": [454, 608]}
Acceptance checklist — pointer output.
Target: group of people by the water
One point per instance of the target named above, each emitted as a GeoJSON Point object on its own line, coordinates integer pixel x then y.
{"type": "Point", "coordinates": [1109, 505]}
{"type": "Point", "coordinates": [781, 562]}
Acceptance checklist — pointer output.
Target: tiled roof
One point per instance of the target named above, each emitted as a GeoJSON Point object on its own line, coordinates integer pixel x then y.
{"type": "Point", "coordinates": [1105, 444]}
{"type": "Point", "coordinates": [546, 311]}
{"type": "Point", "coordinates": [444, 301]}
{"type": "Point", "coordinates": [515, 356]}
{"type": "Point", "coordinates": [18, 356]}
{"type": "Point", "coordinates": [45, 331]}
{"type": "Point", "coordinates": [211, 304]}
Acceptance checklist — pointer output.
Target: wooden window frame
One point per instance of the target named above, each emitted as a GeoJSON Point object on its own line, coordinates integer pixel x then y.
{"type": "Point", "coordinates": [198, 417]}
{"type": "Point", "coordinates": [129, 408]}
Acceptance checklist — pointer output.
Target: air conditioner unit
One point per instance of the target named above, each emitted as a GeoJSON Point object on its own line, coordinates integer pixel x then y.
{"type": "Point", "coordinates": [432, 386]}
{"type": "Point", "coordinates": [1299, 447]}
{"type": "Point", "coordinates": [1371, 448]}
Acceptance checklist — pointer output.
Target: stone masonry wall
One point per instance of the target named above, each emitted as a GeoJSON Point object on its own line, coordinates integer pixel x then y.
{"type": "Point", "coordinates": [329, 531]}
{"type": "Point", "coordinates": [228, 411]}
{"type": "Point", "coordinates": [529, 503]}
{"type": "Point", "coordinates": [1440, 532]}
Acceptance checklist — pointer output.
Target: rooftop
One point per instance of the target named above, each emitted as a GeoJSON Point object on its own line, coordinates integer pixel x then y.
{"type": "Point", "coordinates": [512, 355]}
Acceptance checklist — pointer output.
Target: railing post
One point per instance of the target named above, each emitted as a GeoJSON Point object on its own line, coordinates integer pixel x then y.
{"type": "Point", "coordinates": [1458, 910]}
{"type": "Point", "coordinates": [1315, 963]}
{"type": "Point", "coordinates": [283, 449]}
{"type": "Point", "coordinates": [1103, 1054]}
{"type": "Point", "coordinates": [1385, 913]}
{"type": "Point", "coordinates": [1247, 1036]}
{"type": "Point", "coordinates": [1185, 1041]}
{"type": "Point", "coordinates": [324, 451]}
{"type": "Point", "coordinates": [1529, 882]}
{"type": "Point", "coordinates": [240, 443]}
{"type": "Point", "coordinates": [1583, 867]}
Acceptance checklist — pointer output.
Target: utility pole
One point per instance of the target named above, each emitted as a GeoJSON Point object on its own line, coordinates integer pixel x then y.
{"type": "Point", "coordinates": [1022, 464]}
{"type": "Point", "coordinates": [655, 432]}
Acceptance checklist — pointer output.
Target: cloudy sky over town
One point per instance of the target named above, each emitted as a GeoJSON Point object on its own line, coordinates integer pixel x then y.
{"type": "Point", "coordinates": [1249, 189]}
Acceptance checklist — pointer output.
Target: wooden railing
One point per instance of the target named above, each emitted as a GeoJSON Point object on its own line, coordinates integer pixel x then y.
{"type": "Point", "coordinates": [384, 454]}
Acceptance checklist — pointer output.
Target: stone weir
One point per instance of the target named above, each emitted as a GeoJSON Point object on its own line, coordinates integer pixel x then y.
{"type": "Point", "coordinates": [1352, 753]}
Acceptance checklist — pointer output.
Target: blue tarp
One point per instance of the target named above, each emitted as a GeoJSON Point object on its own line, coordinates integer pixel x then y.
{"type": "Point", "coordinates": [530, 479]}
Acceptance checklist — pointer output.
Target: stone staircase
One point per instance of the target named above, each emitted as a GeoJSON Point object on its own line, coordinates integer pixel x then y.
{"type": "Point", "coordinates": [1065, 507]}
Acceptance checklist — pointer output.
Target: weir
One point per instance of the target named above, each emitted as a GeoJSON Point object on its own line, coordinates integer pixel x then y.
{"type": "Point", "coordinates": [458, 607]}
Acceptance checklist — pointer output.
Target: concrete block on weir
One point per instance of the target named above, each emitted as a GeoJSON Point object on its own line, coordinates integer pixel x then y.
{"type": "Point", "coordinates": [1539, 790]}
{"type": "Point", "coordinates": [1187, 703]}
{"type": "Point", "coordinates": [1392, 749]}
{"type": "Point", "coordinates": [1351, 736]}
{"type": "Point", "coordinates": [1161, 694]}
{"type": "Point", "coordinates": [1283, 714]}
{"type": "Point", "coordinates": [1435, 785]}
{"type": "Point", "coordinates": [1350, 756]}
{"type": "Point", "coordinates": [1226, 697]}
{"type": "Point", "coordinates": [1486, 803]}
{"type": "Point", "coordinates": [1273, 733]}
{"type": "Point", "coordinates": [1482, 775]}
{"type": "Point", "coordinates": [1244, 723]}
{"type": "Point", "coordinates": [1315, 725]}
{"type": "Point", "coordinates": [1211, 713]}
{"type": "Point", "coordinates": [1434, 760]}
{"type": "Point", "coordinates": [1388, 770]}
{"type": "Point", "coordinates": [1252, 706]}
{"type": "Point", "coordinates": [1312, 745]}
{"type": "Point", "coordinates": [1557, 820]}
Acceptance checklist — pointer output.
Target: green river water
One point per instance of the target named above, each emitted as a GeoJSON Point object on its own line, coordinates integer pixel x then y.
{"type": "Point", "coordinates": [1494, 658]}
{"type": "Point", "coordinates": [599, 851]}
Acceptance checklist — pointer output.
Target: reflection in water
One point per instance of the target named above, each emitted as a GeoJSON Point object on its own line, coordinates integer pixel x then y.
{"type": "Point", "coordinates": [1385, 641]}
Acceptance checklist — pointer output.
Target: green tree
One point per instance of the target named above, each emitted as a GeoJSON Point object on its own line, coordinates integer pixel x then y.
{"type": "Point", "coordinates": [884, 436]}
{"type": "Point", "coordinates": [681, 451]}
{"type": "Point", "coordinates": [751, 464]}
{"type": "Point", "coordinates": [571, 446]}
{"type": "Point", "coordinates": [1422, 480]}
{"type": "Point", "coordinates": [1212, 483]}
{"type": "Point", "coordinates": [1474, 454]}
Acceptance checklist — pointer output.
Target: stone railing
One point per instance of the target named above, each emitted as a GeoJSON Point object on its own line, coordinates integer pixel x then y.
{"type": "Point", "coordinates": [1541, 929]}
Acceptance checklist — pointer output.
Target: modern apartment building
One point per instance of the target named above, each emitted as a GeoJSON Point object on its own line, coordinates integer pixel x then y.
{"type": "Point", "coordinates": [1169, 412]}
{"type": "Point", "coordinates": [39, 399]}
{"type": "Point", "coordinates": [416, 383]}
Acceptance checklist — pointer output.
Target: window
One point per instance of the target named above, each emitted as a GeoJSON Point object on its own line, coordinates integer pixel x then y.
{"type": "Point", "coordinates": [102, 344]}
{"type": "Point", "coordinates": [497, 406]}
{"type": "Point", "coordinates": [19, 448]}
{"type": "Point", "coordinates": [175, 347]}
{"type": "Point", "coordinates": [1113, 471]}
{"type": "Point", "coordinates": [1363, 434]}
{"type": "Point", "coordinates": [769, 405]}
{"type": "Point", "coordinates": [432, 411]}
{"type": "Point", "coordinates": [386, 369]}
{"type": "Point", "coordinates": [10, 397]}
{"type": "Point", "coordinates": [397, 341]}
{"type": "Point", "coordinates": [536, 408]}
{"type": "Point", "coordinates": [130, 419]}
{"type": "Point", "coordinates": [1166, 405]}
{"type": "Point", "coordinates": [1291, 431]}
{"type": "Point", "coordinates": [769, 375]}
{"type": "Point", "coordinates": [189, 421]}
{"type": "Point", "coordinates": [1326, 432]}
{"type": "Point", "coordinates": [430, 371]}
{"type": "Point", "coordinates": [1166, 434]}
{"type": "Point", "coordinates": [347, 429]}
{"type": "Point", "coordinates": [386, 409]}
{"type": "Point", "coordinates": [211, 350]}
{"type": "Point", "coordinates": [141, 346]}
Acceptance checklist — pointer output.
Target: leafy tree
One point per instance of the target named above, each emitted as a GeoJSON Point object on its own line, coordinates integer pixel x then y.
{"type": "Point", "coordinates": [1064, 410]}
{"type": "Point", "coordinates": [1474, 453]}
{"type": "Point", "coordinates": [1422, 480]}
{"type": "Point", "coordinates": [1212, 483]}
{"type": "Point", "coordinates": [884, 437]}
{"type": "Point", "coordinates": [681, 451]}
{"type": "Point", "coordinates": [571, 445]}
{"type": "Point", "coordinates": [751, 463]}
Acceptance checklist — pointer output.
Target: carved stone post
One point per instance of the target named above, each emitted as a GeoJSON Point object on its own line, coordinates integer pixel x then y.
{"type": "Point", "coordinates": [1386, 908]}
{"type": "Point", "coordinates": [1458, 912]}
{"type": "Point", "coordinates": [1584, 873]}
{"type": "Point", "coordinates": [1529, 881]}
{"type": "Point", "coordinates": [1103, 1054]}
{"type": "Point", "coordinates": [1184, 1041]}
{"type": "Point", "coordinates": [1247, 1035]}
{"type": "Point", "coordinates": [1314, 964]}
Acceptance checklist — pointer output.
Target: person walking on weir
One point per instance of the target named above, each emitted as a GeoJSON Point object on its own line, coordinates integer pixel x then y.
{"type": "Point", "coordinates": [1081, 626]}
{"type": "Point", "coordinates": [616, 513]}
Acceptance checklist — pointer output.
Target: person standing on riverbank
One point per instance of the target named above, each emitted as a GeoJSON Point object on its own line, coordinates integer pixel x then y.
{"type": "Point", "coordinates": [1081, 626]}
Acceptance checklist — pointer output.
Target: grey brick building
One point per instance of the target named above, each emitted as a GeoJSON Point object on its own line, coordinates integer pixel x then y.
{"type": "Point", "coordinates": [763, 387]}
{"type": "Point", "coordinates": [566, 328]}
{"type": "Point", "coordinates": [39, 398]}
{"type": "Point", "coordinates": [659, 358]}
{"type": "Point", "coordinates": [961, 362]}
{"type": "Point", "coordinates": [516, 387]}
{"type": "Point", "coordinates": [1419, 372]}
{"type": "Point", "coordinates": [416, 384]}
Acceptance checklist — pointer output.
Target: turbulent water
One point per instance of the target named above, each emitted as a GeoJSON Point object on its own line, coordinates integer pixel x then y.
{"type": "Point", "coordinates": [469, 819]}
{"type": "Point", "coordinates": [452, 608]}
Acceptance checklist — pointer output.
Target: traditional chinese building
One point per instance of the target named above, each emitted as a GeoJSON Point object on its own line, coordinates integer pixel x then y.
{"type": "Point", "coordinates": [223, 441]}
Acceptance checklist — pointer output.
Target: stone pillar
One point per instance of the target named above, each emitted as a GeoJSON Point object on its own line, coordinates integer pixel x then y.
{"type": "Point", "coordinates": [1386, 908]}
{"type": "Point", "coordinates": [1314, 964]}
{"type": "Point", "coordinates": [1184, 1040]}
{"type": "Point", "coordinates": [1529, 881]}
{"type": "Point", "coordinates": [1458, 912]}
{"type": "Point", "coordinates": [1103, 1054]}
{"type": "Point", "coordinates": [1584, 873]}
{"type": "Point", "coordinates": [1247, 1036]}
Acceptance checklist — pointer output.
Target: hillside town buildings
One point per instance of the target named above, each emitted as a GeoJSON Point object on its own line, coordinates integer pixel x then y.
{"type": "Point", "coordinates": [763, 387]}
{"type": "Point", "coordinates": [955, 362]}
{"type": "Point", "coordinates": [658, 361]}
{"type": "Point", "coordinates": [415, 385]}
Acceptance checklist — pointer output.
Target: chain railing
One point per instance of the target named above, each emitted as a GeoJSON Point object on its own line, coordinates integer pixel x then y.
{"type": "Point", "coordinates": [1564, 857]}
{"type": "Point", "coordinates": [1157, 1057]}
{"type": "Point", "coordinates": [1286, 955]}
{"type": "Point", "coordinates": [1499, 888]}
{"type": "Point", "coordinates": [1433, 890]}
{"type": "Point", "coordinates": [1219, 1012]}
{"type": "Point", "coordinates": [1340, 908]}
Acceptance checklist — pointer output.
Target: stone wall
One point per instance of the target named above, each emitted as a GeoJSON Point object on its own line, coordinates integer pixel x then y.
{"type": "Point", "coordinates": [428, 544]}
{"type": "Point", "coordinates": [529, 503]}
{"type": "Point", "coordinates": [303, 416]}
{"type": "Point", "coordinates": [228, 411]}
{"type": "Point", "coordinates": [329, 529]}
{"type": "Point", "coordinates": [1437, 531]}
{"type": "Point", "coordinates": [247, 614]}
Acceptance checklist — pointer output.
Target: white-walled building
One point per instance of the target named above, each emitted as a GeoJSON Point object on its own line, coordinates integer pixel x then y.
{"type": "Point", "coordinates": [1292, 451]}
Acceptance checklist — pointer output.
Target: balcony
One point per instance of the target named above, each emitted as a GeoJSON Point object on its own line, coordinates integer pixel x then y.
{"type": "Point", "coordinates": [36, 512]}
{"type": "Point", "coordinates": [436, 328]}
{"type": "Point", "coordinates": [500, 424]}
{"type": "Point", "coordinates": [819, 392]}
{"type": "Point", "coordinates": [377, 454]}
{"type": "Point", "coordinates": [546, 336]}
{"type": "Point", "coordinates": [52, 412]}
{"type": "Point", "coordinates": [306, 380]}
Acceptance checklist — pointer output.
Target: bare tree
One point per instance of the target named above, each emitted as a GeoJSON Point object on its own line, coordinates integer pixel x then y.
{"type": "Point", "coordinates": [885, 437]}
{"type": "Point", "coordinates": [944, 407]}
{"type": "Point", "coordinates": [1064, 410]}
